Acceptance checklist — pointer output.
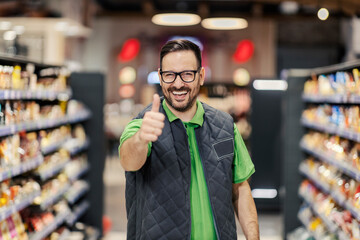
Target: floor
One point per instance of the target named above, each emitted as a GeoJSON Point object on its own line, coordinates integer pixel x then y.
{"type": "Point", "coordinates": [114, 179]}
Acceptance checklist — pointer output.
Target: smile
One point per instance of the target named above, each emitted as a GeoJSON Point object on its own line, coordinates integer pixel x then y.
{"type": "Point", "coordinates": [179, 93]}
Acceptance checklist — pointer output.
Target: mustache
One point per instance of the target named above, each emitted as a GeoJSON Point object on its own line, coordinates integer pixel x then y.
{"type": "Point", "coordinates": [178, 89]}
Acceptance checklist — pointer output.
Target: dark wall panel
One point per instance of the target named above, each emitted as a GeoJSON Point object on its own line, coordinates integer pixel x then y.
{"type": "Point", "coordinates": [89, 89]}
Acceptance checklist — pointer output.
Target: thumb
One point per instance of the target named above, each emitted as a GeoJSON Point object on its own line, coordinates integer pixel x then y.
{"type": "Point", "coordinates": [155, 103]}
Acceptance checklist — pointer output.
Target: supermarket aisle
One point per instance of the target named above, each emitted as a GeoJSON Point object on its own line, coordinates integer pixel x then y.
{"type": "Point", "coordinates": [114, 180]}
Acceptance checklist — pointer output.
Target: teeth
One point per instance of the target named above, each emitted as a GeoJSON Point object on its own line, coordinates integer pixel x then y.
{"type": "Point", "coordinates": [179, 93]}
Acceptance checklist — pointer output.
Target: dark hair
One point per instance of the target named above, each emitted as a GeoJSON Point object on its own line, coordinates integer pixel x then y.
{"type": "Point", "coordinates": [180, 45]}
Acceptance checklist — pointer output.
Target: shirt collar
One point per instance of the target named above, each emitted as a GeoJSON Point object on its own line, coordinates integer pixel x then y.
{"type": "Point", "coordinates": [197, 119]}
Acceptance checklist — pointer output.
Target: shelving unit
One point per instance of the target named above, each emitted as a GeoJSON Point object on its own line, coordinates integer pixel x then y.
{"type": "Point", "coordinates": [17, 207]}
{"type": "Point", "coordinates": [23, 168]}
{"type": "Point", "coordinates": [58, 221]}
{"type": "Point", "coordinates": [67, 192]}
{"type": "Point", "coordinates": [323, 157]}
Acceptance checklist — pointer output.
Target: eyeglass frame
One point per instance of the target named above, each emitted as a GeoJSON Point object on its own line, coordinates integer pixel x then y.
{"type": "Point", "coordinates": [179, 74]}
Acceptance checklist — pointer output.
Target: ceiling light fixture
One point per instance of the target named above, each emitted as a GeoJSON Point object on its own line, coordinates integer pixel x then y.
{"type": "Point", "coordinates": [224, 23]}
{"type": "Point", "coordinates": [323, 14]}
{"type": "Point", "coordinates": [176, 19]}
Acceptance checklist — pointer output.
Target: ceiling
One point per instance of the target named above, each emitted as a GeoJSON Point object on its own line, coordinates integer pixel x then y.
{"type": "Point", "coordinates": [213, 8]}
{"type": "Point", "coordinates": [205, 8]}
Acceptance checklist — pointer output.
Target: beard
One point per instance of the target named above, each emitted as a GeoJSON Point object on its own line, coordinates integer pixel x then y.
{"type": "Point", "coordinates": [191, 101]}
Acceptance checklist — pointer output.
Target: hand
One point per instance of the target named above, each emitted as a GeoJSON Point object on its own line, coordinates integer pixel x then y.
{"type": "Point", "coordinates": [153, 122]}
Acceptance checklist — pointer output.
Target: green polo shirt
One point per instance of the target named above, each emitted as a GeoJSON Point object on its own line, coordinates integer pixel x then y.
{"type": "Point", "coordinates": [202, 224]}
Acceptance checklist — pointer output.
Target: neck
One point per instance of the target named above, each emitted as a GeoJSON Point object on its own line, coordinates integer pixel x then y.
{"type": "Point", "coordinates": [184, 116]}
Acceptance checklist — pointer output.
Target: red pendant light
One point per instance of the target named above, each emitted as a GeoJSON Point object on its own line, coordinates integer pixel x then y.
{"type": "Point", "coordinates": [244, 51]}
{"type": "Point", "coordinates": [129, 50]}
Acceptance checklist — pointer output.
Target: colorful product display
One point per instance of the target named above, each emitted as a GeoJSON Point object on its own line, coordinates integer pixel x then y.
{"type": "Point", "coordinates": [36, 169]}
{"type": "Point", "coordinates": [48, 138]}
{"type": "Point", "coordinates": [327, 208]}
{"type": "Point", "coordinates": [344, 117]}
{"type": "Point", "coordinates": [342, 82]}
{"type": "Point", "coordinates": [340, 149]}
{"type": "Point", "coordinates": [331, 189]}
{"type": "Point", "coordinates": [52, 79]}
{"type": "Point", "coordinates": [17, 149]}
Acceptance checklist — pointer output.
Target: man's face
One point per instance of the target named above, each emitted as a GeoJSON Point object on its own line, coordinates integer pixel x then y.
{"type": "Point", "coordinates": [179, 95]}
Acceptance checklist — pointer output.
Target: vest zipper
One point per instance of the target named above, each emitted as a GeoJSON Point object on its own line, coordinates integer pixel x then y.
{"type": "Point", "coordinates": [207, 185]}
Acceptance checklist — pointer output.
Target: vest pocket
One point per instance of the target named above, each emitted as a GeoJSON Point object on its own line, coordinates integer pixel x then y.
{"type": "Point", "coordinates": [224, 148]}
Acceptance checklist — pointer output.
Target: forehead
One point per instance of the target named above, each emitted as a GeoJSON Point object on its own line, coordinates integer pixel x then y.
{"type": "Point", "coordinates": [179, 60]}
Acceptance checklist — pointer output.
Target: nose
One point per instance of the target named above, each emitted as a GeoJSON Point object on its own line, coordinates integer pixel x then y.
{"type": "Point", "coordinates": [178, 82]}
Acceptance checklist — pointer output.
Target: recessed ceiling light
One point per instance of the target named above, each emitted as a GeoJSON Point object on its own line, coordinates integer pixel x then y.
{"type": "Point", "coordinates": [323, 14]}
{"type": "Point", "coordinates": [289, 7]}
{"type": "Point", "coordinates": [176, 19]}
{"type": "Point", "coordinates": [224, 23]}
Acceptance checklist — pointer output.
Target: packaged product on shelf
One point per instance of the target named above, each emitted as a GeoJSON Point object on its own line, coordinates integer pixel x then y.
{"type": "Point", "coordinates": [52, 137]}
{"type": "Point", "coordinates": [29, 144]}
{"type": "Point", "coordinates": [52, 188]}
{"type": "Point", "coordinates": [79, 133]}
{"type": "Point", "coordinates": [51, 112]}
{"type": "Point", "coordinates": [53, 160]}
{"type": "Point", "coordinates": [16, 78]}
{"type": "Point", "coordinates": [76, 165]}
{"type": "Point", "coordinates": [74, 107]}
{"type": "Point", "coordinates": [5, 232]}
{"type": "Point", "coordinates": [19, 225]}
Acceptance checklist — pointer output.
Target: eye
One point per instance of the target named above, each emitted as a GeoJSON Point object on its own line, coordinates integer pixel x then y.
{"type": "Point", "coordinates": [168, 74]}
{"type": "Point", "coordinates": [188, 74]}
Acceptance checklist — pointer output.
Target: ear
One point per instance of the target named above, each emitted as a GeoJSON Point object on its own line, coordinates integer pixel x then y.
{"type": "Point", "coordinates": [202, 76]}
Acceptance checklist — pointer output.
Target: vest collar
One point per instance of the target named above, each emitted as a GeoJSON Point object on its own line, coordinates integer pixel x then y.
{"type": "Point", "coordinates": [198, 118]}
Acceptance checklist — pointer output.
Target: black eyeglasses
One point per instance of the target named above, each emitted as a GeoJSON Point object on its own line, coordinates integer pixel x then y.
{"type": "Point", "coordinates": [186, 76]}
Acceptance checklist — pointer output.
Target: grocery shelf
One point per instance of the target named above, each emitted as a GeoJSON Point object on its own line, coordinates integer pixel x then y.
{"type": "Point", "coordinates": [342, 166]}
{"type": "Point", "coordinates": [78, 174]}
{"type": "Point", "coordinates": [337, 98]}
{"type": "Point", "coordinates": [53, 147]}
{"type": "Point", "coordinates": [77, 212]}
{"type": "Point", "coordinates": [58, 221]}
{"type": "Point", "coordinates": [27, 201]}
{"type": "Point", "coordinates": [44, 123]}
{"type": "Point", "coordinates": [22, 168]}
{"type": "Point", "coordinates": [345, 133]}
{"type": "Point", "coordinates": [306, 225]}
{"type": "Point", "coordinates": [35, 95]}
{"type": "Point", "coordinates": [338, 198]}
{"type": "Point", "coordinates": [75, 194]}
{"type": "Point", "coordinates": [325, 188]}
{"type": "Point", "coordinates": [54, 198]}
{"type": "Point", "coordinates": [52, 171]}
{"type": "Point", "coordinates": [330, 225]}
{"type": "Point", "coordinates": [77, 149]}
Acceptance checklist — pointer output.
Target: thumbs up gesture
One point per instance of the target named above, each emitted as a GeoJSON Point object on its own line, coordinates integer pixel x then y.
{"type": "Point", "coordinates": [153, 122]}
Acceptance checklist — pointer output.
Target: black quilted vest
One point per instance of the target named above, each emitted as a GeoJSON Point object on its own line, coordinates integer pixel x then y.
{"type": "Point", "coordinates": [158, 195]}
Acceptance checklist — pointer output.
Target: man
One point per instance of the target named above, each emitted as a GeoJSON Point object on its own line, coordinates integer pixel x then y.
{"type": "Point", "coordinates": [186, 163]}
